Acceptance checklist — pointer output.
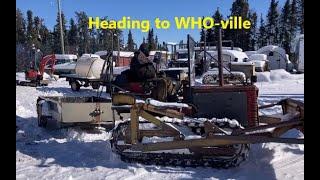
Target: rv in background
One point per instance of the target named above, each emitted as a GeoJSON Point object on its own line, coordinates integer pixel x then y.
{"type": "Point", "coordinates": [277, 57]}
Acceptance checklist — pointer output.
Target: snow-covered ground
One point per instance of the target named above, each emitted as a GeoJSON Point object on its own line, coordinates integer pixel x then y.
{"type": "Point", "coordinates": [280, 82]}
{"type": "Point", "coordinates": [86, 154]}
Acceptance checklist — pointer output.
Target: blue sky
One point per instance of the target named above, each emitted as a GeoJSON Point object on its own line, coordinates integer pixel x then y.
{"type": "Point", "coordinates": [140, 9]}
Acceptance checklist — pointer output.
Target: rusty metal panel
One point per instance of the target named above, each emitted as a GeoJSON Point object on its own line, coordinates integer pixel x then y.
{"type": "Point", "coordinates": [232, 105]}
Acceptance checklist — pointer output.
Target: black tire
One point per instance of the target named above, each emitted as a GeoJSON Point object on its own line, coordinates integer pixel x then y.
{"type": "Point", "coordinates": [75, 85]}
{"type": "Point", "coordinates": [95, 85]}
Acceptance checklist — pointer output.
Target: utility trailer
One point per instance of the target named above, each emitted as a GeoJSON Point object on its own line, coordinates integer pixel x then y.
{"type": "Point", "coordinates": [76, 81]}
{"type": "Point", "coordinates": [59, 111]}
{"type": "Point", "coordinates": [90, 70]}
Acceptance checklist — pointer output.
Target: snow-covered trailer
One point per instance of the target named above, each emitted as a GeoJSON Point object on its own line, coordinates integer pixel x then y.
{"type": "Point", "coordinates": [60, 111]}
{"type": "Point", "coordinates": [278, 59]}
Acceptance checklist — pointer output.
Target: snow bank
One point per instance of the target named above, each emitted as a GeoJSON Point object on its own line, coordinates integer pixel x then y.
{"type": "Point", "coordinates": [263, 76]}
{"type": "Point", "coordinates": [280, 74]}
{"type": "Point", "coordinates": [277, 75]}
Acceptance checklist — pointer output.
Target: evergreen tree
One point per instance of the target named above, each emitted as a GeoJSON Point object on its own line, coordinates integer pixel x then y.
{"type": "Point", "coordinates": [21, 51]}
{"type": "Point", "coordinates": [202, 34]}
{"type": "Point", "coordinates": [144, 40]}
{"type": "Point", "coordinates": [104, 38]}
{"type": "Point", "coordinates": [119, 38]}
{"type": "Point", "coordinates": [130, 42]}
{"type": "Point", "coordinates": [31, 35]}
{"type": "Point", "coordinates": [262, 36]}
{"type": "Point", "coordinates": [285, 26]}
{"type": "Point", "coordinates": [57, 34]}
{"type": "Point", "coordinates": [72, 37]}
{"type": "Point", "coordinates": [84, 37]}
{"type": "Point", "coordinates": [300, 17]}
{"type": "Point", "coordinates": [46, 39]}
{"type": "Point", "coordinates": [37, 27]}
{"type": "Point", "coordinates": [150, 40]}
{"type": "Point", "coordinates": [272, 26]}
{"type": "Point", "coordinates": [217, 19]}
{"type": "Point", "coordinates": [20, 27]}
{"type": "Point", "coordinates": [253, 31]}
{"type": "Point", "coordinates": [209, 35]}
{"type": "Point", "coordinates": [93, 41]}
{"type": "Point", "coordinates": [293, 19]}
{"type": "Point", "coordinates": [156, 43]}
{"type": "Point", "coordinates": [240, 37]}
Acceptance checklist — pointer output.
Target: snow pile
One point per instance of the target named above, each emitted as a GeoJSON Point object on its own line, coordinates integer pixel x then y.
{"type": "Point", "coordinates": [280, 74]}
{"type": "Point", "coordinates": [263, 76]}
{"type": "Point", "coordinates": [277, 75]}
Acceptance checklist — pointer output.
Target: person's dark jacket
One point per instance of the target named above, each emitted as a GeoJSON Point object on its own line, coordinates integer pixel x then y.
{"type": "Point", "coordinates": [141, 67]}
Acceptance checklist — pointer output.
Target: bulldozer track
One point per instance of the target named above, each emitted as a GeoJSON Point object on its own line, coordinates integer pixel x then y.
{"type": "Point", "coordinates": [165, 158]}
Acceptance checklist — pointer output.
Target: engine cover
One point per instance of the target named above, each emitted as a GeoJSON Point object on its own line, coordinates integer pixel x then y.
{"type": "Point", "coordinates": [233, 102]}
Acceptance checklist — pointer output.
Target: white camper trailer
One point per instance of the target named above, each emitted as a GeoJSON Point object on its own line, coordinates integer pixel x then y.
{"type": "Point", "coordinates": [278, 59]}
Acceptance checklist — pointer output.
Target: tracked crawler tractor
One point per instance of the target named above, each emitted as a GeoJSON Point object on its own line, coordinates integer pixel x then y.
{"type": "Point", "coordinates": [212, 126]}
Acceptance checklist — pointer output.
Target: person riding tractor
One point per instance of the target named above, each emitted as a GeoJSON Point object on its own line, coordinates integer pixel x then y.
{"type": "Point", "coordinates": [142, 77]}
